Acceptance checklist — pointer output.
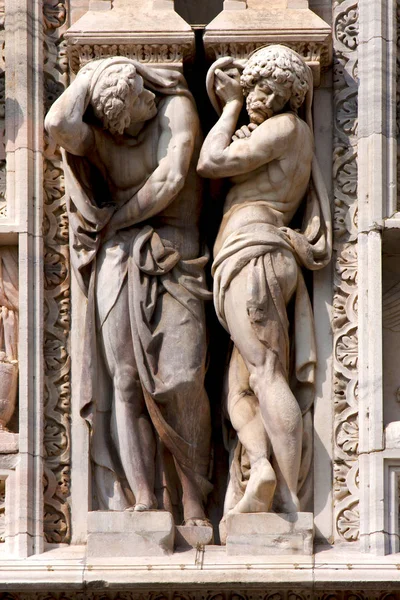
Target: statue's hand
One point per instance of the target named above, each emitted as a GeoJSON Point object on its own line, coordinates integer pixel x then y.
{"type": "Point", "coordinates": [227, 88]}
{"type": "Point", "coordinates": [244, 132]}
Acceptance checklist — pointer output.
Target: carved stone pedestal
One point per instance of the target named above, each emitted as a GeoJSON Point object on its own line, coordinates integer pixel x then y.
{"type": "Point", "coordinates": [268, 533]}
{"type": "Point", "coordinates": [191, 536]}
{"type": "Point", "coordinates": [114, 533]}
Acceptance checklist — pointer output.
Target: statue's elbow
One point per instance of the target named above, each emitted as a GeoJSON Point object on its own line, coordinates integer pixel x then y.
{"type": "Point", "coordinates": [55, 126]}
{"type": "Point", "coordinates": [204, 168]}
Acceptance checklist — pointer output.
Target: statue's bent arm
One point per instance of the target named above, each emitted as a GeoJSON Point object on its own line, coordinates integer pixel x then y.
{"type": "Point", "coordinates": [220, 157]}
{"type": "Point", "coordinates": [64, 122]}
{"type": "Point", "coordinates": [178, 127]}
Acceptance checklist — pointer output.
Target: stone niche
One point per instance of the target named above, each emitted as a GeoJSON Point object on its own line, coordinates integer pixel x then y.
{"type": "Point", "coordinates": [112, 35]}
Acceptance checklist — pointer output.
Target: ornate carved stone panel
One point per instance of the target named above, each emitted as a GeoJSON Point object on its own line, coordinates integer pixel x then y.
{"type": "Point", "coordinates": [57, 295]}
{"type": "Point", "coordinates": [346, 494]}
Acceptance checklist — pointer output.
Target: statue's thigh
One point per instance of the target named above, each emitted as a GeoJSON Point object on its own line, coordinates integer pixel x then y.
{"type": "Point", "coordinates": [252, 350]}
{"type": "Point", "coordinates": [183, 345]}
{"type": "Point", "coordinates": [116, 339]}
{"type": "Point", "coordinates": [286, 271]}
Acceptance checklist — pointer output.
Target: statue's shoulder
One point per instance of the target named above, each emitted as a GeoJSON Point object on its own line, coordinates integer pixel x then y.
{"type": "Point", "coordinates": [183, 101]}
{"type": "Point", "coordinates": [282, 125]}
{"type": "Point", "coordinates": [177, 112]}
{"type": "Point", "coordinates": [290, 126]}
{"type": "Point", "coordinates": [289, 118]}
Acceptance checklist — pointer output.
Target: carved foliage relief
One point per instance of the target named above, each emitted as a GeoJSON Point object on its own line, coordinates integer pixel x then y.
{"type": "Point", "coordinates": [57, 295]}
{"type": "Point", "coordinates": [346, 492]}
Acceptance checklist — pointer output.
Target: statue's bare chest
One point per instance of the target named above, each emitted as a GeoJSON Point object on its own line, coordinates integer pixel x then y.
{"type": "Point", "coordinates": [126, 163]}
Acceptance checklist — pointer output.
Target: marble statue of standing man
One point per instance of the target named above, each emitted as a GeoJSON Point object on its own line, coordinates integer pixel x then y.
{"type": "Point", "coordinates": [130, 137]}
{"type": "Point", "coordinates": [258, 260]}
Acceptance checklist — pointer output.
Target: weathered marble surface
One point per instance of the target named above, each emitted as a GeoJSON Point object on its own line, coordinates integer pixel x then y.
{"type": "Point", "coordinates": [272, 170]}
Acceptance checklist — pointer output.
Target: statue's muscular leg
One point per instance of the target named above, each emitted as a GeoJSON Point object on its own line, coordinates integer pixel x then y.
{"type": "Point", "coordinates": [280, 412]}
{"type": "Point", "coordinates": [244, 412]}
{"type": "Point", "coordinates": [135, 438]}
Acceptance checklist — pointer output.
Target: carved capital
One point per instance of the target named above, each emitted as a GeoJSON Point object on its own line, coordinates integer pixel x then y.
{"type": "Point", "coordinates": [160, 55]}
{"type": "Point", "coordinates": [315, 54]}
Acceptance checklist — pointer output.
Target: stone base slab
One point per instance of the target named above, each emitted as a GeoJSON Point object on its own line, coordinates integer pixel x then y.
{"type": "Point", "coordinates": [268, 533]}
{"type": "Point", "coordinates": [128, 534]}
{"type": "Point", "coordinates": [191, 536]}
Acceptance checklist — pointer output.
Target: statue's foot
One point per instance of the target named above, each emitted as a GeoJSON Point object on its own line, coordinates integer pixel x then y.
{"type": "Point", "coordinates": [193, 513]}
{"type": "Point", "coordinates": [290, 503]}
{"type": "Point", "coordinates": [139, 507]}
{"type": "Point", "coordinates": [197, 522]}
{"type": "Point", "coordinates": [143, 504]}
{"type": "Point", "coordinates": [260, 489]}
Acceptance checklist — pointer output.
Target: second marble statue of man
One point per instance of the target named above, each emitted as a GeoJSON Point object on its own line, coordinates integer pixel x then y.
{"type": "Point", "coordinates": [258, 255]}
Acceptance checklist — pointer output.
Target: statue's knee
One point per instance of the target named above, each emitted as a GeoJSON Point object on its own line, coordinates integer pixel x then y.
{"type": "Point", "coordinates": [127, 385]}
{"type": "Point", "coordinates": [242, 409]}
{"type": "Point", "coordinates": [264, 374]}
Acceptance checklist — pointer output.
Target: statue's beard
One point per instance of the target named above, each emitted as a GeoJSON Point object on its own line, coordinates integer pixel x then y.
{"type": "Point", "coordinates": [258, 112]}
